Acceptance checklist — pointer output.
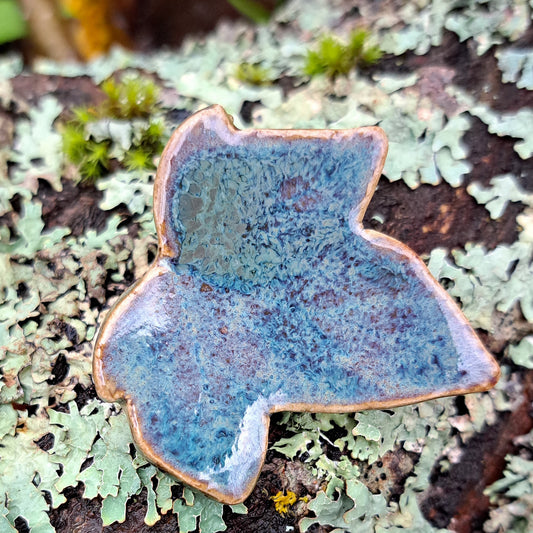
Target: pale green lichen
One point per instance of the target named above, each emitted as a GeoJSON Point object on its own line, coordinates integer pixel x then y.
{"type": "Point", "coordinates": [516, 65]}
{"type": "Point", "coordinates": [512, 124]}
{"type": "Point", "coordinates": [502, 190]}
{"type": "Point", "coordinates": [419, 25]}
{"type": "Point", "coordinates": [311, 15]}
{"type": "Point", "coordinates": [486, 280]}
{"type": "Point", "coordinates": [522, 353]}
{"type": "Point", "coordinates": [346, 503]}
{"type": "Point", "coordinates": [513, 494]}
{"type": "Point", "coordinates": [37, 146]}
{"type": "Point", "coordinates": [414, 26]}
{"type": "Point", "coordinates": [489, 22]}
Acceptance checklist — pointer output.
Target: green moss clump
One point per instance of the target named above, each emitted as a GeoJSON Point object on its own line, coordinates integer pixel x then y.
{"type": "Point", "coordinates": [152, 136]}
{"type": "Point", "coordinates": [138, 159]}
{"type": "Point", "coordinates": [253, 74]}
{"type": "Point", "coordinates": [129, 103]}
{"type": "Point", "coordinates": [335, 58]}
{"type": "Point", "coordinates": [90, 156]}
{"type": "Point", "coordinates": [133, 97]}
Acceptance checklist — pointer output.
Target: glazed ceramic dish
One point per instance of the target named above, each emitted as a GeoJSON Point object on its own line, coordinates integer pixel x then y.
{"type": "Point", "coordinates": [268, 295]}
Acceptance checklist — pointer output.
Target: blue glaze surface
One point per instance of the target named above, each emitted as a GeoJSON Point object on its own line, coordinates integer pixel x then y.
{"type": "Point", "coordinates": [276, 299]}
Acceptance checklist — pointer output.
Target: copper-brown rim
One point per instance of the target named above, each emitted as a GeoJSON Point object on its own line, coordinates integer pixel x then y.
{"type": "Point", "coordinates": [108, 391]}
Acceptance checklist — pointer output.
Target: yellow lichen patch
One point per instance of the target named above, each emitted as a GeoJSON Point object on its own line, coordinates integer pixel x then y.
{"type": "Point", "coordinates": [284, 501]}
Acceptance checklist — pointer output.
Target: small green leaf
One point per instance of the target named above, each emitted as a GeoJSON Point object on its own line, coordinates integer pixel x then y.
{"type": "Point", "coordinates": [251, 9]}
{"type": "Point", "coordinates": [12, 23]}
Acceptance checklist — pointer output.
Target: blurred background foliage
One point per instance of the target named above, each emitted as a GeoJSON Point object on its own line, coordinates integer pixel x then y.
{"type": "Point", "coordinates": [83, 29]}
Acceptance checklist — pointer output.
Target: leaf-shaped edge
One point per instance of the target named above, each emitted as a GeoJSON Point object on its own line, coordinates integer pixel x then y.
{"type": "Point", "coordinates": [183, 142]}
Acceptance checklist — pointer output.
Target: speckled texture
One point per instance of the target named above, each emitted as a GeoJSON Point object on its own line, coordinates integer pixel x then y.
{"type": "Point", "coordinates": [268, 295]}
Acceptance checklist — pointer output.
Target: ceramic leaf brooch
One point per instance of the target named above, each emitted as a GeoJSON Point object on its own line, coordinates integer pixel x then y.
{"type": "Point", "coordinates": [268, 295]}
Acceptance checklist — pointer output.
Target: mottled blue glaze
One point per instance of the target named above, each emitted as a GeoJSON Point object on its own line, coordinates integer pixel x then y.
{"type": "Point", "coordinates": [277, 299]}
